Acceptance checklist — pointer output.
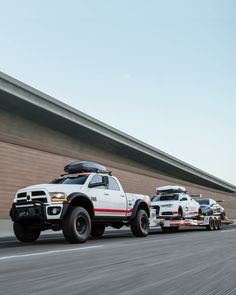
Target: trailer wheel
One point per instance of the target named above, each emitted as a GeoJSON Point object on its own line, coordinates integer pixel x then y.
{"type": "Point", "coordinates": [76, 226]}
{"type": "Point", "coordinates": [25, 234]}
{"type": "Point", "coordinates": [210, 226]}
{"type": "Point", "coordinates": [219, 224]}
{"type": "Point", "coordinates": [97, 230]}
{"type": "Point", "coordinates": [140, 224]}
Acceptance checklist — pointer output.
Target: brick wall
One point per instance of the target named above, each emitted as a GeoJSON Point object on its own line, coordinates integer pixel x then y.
{"type": "Point", "coordinates": [32, 154]}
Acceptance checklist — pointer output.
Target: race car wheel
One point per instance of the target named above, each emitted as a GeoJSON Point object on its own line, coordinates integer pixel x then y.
{"type": "Point", "coordinates": [97, 230]}
{"type": "Point", "coordinates": [219, 224]}
{"type": "Point", "coordinates": [76, 226]}
{"type": "Point", "coordinates": [25, 234]}
{"type": "Point", "coordinates": [210, 226]}
{"type": "Point", "coordinates": [215, 223]}
{"type": "Point", "coordinates": [222, 215]}
{"type": "Point", "coordinates": [140, 224]}
{"type": "Point", "coordinates": [180, 213]}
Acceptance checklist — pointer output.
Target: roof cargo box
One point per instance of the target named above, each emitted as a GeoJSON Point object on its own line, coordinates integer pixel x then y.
{"type": "Point", "coordinates": [171, 189]}
{"type": "Point", "coordinates": [79, 167]}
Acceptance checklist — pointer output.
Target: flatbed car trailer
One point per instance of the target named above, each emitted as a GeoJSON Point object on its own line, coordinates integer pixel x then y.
{"type": "Point", "coordinates": [173, 225]}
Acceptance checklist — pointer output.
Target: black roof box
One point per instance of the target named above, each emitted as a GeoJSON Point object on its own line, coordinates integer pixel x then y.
{"type": "Point", "coordinates": [79, 167]}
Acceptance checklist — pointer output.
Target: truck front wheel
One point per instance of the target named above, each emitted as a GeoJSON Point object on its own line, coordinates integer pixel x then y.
{"type": "Point", "coordinates": [76, 226]}
{"type": "Point", "coordinates": [25, 234]}
{"type": "Point", "coordinates": [140, 224]}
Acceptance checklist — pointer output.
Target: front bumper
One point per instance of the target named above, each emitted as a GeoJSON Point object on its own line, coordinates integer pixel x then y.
{"type": "Point", "coordinates": [38, 211]}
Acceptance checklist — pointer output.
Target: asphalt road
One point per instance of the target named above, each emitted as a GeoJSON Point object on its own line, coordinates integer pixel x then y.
{"type": "Point", "coordinates": [189, 262]}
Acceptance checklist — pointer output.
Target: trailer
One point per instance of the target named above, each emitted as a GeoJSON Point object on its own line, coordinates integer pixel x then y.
{"type": "Point", "coordinates": [173, 207]}
{"type": "Point", "coordinates": [173, 225]}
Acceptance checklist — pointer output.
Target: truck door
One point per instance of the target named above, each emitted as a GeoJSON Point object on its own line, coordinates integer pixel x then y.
{"type": "Point", "coordinates": [108, 201]}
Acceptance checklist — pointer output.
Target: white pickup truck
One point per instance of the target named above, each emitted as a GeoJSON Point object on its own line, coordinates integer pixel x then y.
{"type": "Point", "coordinates": [81, 202]}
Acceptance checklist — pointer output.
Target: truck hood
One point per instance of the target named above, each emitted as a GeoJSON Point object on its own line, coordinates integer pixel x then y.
{"type": "Point", "coordinates": [51, 187]}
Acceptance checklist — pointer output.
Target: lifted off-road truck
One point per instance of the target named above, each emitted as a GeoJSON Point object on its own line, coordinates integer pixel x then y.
{"type": "Point", "coordinates": [81, 203]}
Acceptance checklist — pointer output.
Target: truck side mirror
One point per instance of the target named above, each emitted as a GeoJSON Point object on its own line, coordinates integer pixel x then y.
{"type": "Point", "coordinates": [104, 182]}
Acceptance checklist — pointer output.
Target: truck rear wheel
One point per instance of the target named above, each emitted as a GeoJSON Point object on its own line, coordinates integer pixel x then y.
{"type": "Point", "coordinates": [25, 234]}
{"type": "Point", "coordinates": [140, 224]}
{"type": "Point", "coordinates": [97, 230]}
{"type": "Point", "coordinates": [76, 226]}
{"type": "Point", "coordinates": [219, 224]}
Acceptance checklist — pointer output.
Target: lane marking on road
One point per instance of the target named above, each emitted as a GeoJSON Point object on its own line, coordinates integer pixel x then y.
{"type": "Point", "coordinates": [49, 252]}
{"type": "Point", "coordinates": [228, 230]}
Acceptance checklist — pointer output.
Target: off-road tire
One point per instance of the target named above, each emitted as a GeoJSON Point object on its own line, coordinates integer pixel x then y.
{"type": "Point", "coordinates": [76, 226]}
{"type": "Point", "coordinates": [140, 224]}
{"type": "Point", "coordinates": [97, 230]}
{"type": "Point", "coordinates": [24, 233]}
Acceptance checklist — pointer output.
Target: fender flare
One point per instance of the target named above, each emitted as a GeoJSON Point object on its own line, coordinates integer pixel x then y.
{"type": "Point", "coordinates": [140, 204]}
{"type": "Point", "coordinates": [78, 199]}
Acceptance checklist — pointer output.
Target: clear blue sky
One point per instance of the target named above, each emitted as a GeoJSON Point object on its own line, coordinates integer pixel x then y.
{"type": "Point", "coordinates": [161, 71]}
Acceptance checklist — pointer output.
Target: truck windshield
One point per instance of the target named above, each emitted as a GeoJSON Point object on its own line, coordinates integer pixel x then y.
{"type": "Point", "coordinates": [203, 202]}
{"type": "Point", "coordinates": [166, 198]}
{"type": "Point", "coordinates": [80, 179]}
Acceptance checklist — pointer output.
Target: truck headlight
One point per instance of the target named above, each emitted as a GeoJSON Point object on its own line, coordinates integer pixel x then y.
{"type": "Point", "coordinates": [58, 197]}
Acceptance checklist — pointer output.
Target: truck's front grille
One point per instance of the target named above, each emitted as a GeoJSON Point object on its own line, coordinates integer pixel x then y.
{"type": "Point", "coordinates": [28, 197]}
{"type": "Point", "coordinates": [21, 195]}
{"type": "Point", "coordinates": [38, 193]}
{"type": "Point", "coordinates": [34, 200]}
{"type": "Point", "coordinates": [43, 200]}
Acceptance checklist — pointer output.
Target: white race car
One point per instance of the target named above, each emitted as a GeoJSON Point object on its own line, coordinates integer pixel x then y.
{"type": "Point", "coordinates": [172, 202]}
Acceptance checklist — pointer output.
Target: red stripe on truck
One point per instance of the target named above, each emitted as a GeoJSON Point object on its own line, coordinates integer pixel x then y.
{"type": "Point", "coordinates": [113, 210]}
